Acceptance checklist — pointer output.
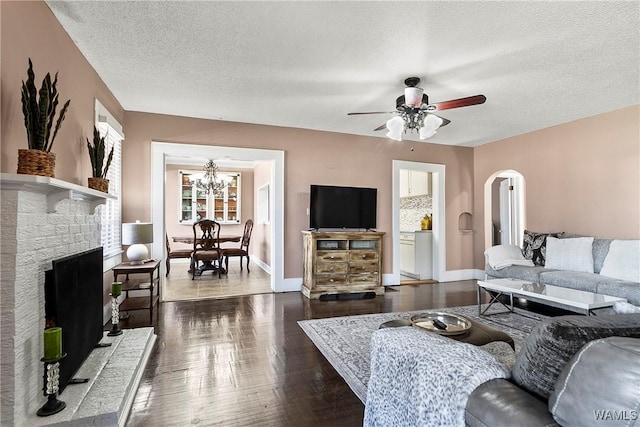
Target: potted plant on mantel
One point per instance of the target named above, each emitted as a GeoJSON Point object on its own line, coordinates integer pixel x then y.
{"type": "Point", "coordinates": [96, 154]}
{"type": "Point", "coordinates": [39, 109]}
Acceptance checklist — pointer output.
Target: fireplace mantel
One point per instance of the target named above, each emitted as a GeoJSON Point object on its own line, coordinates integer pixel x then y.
{"type": "Point", "coordinates": [56, 190]}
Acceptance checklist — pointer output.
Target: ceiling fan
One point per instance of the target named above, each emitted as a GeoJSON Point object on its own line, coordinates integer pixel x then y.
{"type": "Point", "coordinates": [414, 113]}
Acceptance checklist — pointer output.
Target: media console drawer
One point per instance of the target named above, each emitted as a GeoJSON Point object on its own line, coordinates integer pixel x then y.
{"type": "Point", "coordinates": [342, 262]}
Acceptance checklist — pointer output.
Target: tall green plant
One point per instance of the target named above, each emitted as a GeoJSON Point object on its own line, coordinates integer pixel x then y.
{"type": "Point", "coordinates": [39, 113]}
{"type": "Point", "coordinates": [96, 154]}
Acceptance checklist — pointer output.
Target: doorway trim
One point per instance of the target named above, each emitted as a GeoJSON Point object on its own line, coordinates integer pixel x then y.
{"type": "Point", "coordinates": [439, 220]}
{"type": "Point", "coordinates": [488, 201]}
{"type": "Point", "coordinates": [159, 153]}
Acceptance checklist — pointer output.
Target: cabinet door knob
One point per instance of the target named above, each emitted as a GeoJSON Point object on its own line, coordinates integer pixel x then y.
{"type": "Point", "coordinates": [331, 280]}
{"type": "Point", "coordinates": [364, 256]}
{"type": "Point", "coordinates": [332, 257]}
{"type": "Point", "coordinates": [363, 267]}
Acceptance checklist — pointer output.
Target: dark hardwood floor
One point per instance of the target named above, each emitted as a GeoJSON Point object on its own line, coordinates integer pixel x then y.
{"type": "Point", "coordinates": [243, 361]}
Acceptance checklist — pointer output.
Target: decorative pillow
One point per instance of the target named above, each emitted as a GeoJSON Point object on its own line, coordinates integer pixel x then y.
{"type": "Point", "coordinates": [591, 390]}
{"type": "Point", "coordinates": [623, 260]}
{"type": "Point", "coordinates": [501, 256]}
{"type": "Point", "coordinates": [570, 254]}
{"type": "Point", "coordinates": [534, 246]}
{"type": "Point", "coordinates": [621, 307]}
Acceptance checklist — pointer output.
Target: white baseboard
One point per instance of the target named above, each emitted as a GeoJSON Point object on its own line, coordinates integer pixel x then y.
{"type": "Point", "coordinates": [467, 274]}
{"type": "Point", "coordinates": [261, 264]}
{"type": "Point", "coordinates": [290, 285]}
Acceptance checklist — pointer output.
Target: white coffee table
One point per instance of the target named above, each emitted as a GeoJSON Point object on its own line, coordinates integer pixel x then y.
{"type": "Point", "coordinates": [555, 296]}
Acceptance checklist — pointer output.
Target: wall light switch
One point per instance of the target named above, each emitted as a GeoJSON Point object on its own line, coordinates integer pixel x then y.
{"type": "Point", "coordinates": [307, 211]}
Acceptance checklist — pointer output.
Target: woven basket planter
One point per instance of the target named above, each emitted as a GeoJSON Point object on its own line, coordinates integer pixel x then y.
{"type": "Point", "coordinates": [36, 162]}
{"type": "Point", "coordinates": [99, 184]}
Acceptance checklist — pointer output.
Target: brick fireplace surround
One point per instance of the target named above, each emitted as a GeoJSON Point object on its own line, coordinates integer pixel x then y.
{"type": "Point", "coordinates": [43, 219]}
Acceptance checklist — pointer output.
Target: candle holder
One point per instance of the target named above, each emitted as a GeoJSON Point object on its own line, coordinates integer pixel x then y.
{"type": "Point", "coordinates": [51, 387]}
{"type": "Point", "coordinates": [115, 316]}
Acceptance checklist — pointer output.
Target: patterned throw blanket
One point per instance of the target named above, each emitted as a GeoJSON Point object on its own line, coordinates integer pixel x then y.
{"type": "Point", "coordinates": [420, 379]}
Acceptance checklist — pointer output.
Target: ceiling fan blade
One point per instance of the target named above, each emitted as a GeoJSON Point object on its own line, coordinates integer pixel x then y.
{"type": "Point", "coordinates": [444, 121]}
{"type": "Point", "coordinates": [384, 126]}
{"type": "Point", "coordinates": [461, 102]}
{"type": "Point", "coordinates": [371, 112]}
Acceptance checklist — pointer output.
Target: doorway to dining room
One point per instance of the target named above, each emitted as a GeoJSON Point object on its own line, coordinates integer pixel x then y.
{"type": "Point", "coordinates": [265, 250]}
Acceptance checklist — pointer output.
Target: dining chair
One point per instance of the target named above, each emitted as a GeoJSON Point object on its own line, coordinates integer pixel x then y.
{"type": "Point", "coordinates": [175, 253]}
{"type": "Point", "coordinates": [243, 250]}
{"type": "Point", "coordinates": [206, 248]}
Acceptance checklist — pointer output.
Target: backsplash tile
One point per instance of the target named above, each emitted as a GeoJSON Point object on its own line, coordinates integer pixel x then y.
{"type": "Point", "coordinates": [412, 210]}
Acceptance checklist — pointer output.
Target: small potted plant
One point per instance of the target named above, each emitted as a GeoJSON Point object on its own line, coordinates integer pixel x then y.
{"type": "Point", "coordinates": [39, 109]}
{"type": "Point", "coordinates": [96, 154]}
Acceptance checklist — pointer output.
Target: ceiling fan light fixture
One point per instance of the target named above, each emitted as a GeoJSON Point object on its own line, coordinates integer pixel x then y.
{"type": "Point", "coordinates": [395, 126]}
{"type": "Point", "coordinates": [413, 96]}
{"type": "Point", "coordinates": [430, 126]}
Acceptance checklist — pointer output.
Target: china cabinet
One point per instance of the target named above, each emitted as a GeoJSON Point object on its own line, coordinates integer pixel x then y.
{"type": "Point", "coordinates": [196, 204]}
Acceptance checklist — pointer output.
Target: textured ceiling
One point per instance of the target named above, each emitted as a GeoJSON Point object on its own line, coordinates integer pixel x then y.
{"type": "Point", "coordinates": [307, 64]}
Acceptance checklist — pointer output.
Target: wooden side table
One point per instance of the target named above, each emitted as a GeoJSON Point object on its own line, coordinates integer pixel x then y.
{"type": "Point", "coordinates": [152, 268]}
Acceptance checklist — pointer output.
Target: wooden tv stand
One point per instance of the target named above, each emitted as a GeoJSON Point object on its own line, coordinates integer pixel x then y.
{"type": "Point", "coordinates": [342, 262]}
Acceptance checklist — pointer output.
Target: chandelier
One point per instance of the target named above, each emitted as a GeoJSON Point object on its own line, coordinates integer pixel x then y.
{"type": "Point", "coordinates": [210, 182]}
{"type": "Point", "coordinates": [413, 115]}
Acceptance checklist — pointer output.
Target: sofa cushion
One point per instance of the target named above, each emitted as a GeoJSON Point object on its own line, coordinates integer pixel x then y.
{"type": "Point", "coordinates": [534, 246]}
{"type": "Point", "coordinates": [570, 254]}
{"type": "Point", "coordinates": [501, 256]}
{"type": "Point", "coordinates": [555, 340]}
{"type": "Point", "coordinates": [620, 288]}
{"type": "Point", "coordinates": [531, 274]}
{"type": "Point", "coordinates": [573, 279]}
{"type": "Point", "coordinates": [600, 251]}
{"type": "Point", "coordinates": [499, 402]}
{"type": "Point", "coordinates": [582, 396]}
{"type": "Point", "coordinates": [623, 260]}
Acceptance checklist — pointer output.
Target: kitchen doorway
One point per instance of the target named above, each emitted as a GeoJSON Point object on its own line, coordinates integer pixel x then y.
{"type": "Point", "coordinates": [438, 255]}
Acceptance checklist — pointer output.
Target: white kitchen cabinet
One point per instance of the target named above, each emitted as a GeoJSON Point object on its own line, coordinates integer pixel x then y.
{"type": "Point", "coordinates": [414, 183]}
{"type": "Point", "coordinates": [407, 254]}
{"type": "Point", "coordinates": [404, 183]}
{"type": "Point", "coordinates": [424, 254]}
{"type": "Point", "coordinates": [419, 182]}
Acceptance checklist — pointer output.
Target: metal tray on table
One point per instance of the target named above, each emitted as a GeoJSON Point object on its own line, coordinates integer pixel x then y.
{"type": "Point", "coordinates": [454, 324]}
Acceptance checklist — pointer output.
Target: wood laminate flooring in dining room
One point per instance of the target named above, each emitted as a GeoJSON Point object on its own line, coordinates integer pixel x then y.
{"type": "Point", "coordinates": [244, 361]}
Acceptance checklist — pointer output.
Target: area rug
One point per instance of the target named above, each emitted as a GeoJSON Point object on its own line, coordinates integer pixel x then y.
{"type": "Point", "coordinates": [344, 341]}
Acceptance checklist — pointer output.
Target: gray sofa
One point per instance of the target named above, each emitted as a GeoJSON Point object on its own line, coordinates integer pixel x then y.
{"type": "Point", "coordinates": [572, 370]}
{"type": "Point", "coordinates": [592, 282]}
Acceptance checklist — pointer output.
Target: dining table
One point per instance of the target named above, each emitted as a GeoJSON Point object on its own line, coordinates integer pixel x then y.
{"type": "Point", "coordinates": [221, 239]}
{"type": "Point", "coordinates": [208, 265]}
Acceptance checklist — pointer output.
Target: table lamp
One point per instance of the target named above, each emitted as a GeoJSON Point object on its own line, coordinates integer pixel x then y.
{"type": "Point", "coordinates": [137, 234]}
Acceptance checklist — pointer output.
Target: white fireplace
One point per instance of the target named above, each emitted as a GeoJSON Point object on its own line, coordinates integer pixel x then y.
{"type": "Point", "coordinates": [42, 219]}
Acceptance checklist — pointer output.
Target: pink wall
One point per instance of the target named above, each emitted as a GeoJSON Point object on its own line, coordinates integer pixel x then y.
{"type": "Point", "coordinates": [30, 30]}
{"type": "Point", "coordinates": [581, 177]}
{"type": "Point", "coordinates": [311, 157]}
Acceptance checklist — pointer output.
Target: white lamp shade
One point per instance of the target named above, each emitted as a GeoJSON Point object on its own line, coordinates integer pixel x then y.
{"type": "Point", "coordinates": [137, 232]}
{"type": "Point", "coordinates": [395, 126]}
{"type": "Point", "coordinates": [413, 96]}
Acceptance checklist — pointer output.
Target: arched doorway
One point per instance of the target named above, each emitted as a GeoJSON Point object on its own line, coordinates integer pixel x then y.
{"type": "Point", "coordinates": [504, 208]}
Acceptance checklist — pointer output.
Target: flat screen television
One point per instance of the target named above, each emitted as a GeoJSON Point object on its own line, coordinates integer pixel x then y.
{"type": "Point", "coordinates": [342, 207]}
{"type": "Point", "coordinates": [73, 301]}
